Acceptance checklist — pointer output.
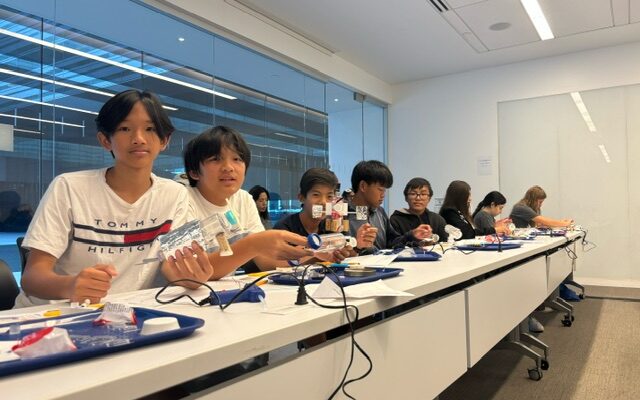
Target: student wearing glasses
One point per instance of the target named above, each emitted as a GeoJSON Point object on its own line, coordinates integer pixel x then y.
{"type": "Point", "coordinates": [417, 194]}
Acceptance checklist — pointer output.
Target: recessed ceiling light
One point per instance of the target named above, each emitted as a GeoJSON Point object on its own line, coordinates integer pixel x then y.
{"type": "Point", "coordinates": [335, 100]}
{"type": "Point", "coordinates": [180, 39]}
{"type": "Point", "coordinates": [500, 26]}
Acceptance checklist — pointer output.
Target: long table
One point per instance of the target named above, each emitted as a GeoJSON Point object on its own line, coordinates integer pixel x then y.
{"type": "Point", "coordinates": [416, 353]}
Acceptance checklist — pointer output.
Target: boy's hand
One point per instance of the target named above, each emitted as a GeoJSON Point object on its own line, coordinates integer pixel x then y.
{"type": "Point", "coordinates": [423, 231]}
{"type": "Point", "coordinates": [366, 236]}
{"type": "Point", "coordinates": [92, 283]}
{"type": "Point", "coordinates": [190, 263]}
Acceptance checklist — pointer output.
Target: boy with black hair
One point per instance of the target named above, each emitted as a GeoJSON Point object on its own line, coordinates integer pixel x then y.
{"type": "Point", "coordinates": [94, 231]}
{"type": "Point", "coordinates": [317, 187]}
{"type": "Point", "coordinates": [370, 181]}
{"type": "Point", "coordinates": [417, 194]}
{"type": "Point", "coordinates": [216, 162]}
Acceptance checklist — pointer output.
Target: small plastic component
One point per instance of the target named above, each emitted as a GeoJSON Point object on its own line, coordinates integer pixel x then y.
{"type": "Point", "coordinates": [251, 295]}
{"type": "Point", "coordinates": [328, 242]}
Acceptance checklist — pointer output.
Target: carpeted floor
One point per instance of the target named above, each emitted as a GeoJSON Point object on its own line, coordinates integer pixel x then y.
{"type": "Point", "coordinates": [598, 358]}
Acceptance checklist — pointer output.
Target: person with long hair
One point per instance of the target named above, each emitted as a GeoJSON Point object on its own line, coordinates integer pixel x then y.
{"type": "Point", "coordinates": [484, 217]}
{"type": "Point", "coordinates": [455, 210]}
{"type": "Point", "coordinates": [527, 212]}
{"type": "Point", "coordinates": [261, 197]}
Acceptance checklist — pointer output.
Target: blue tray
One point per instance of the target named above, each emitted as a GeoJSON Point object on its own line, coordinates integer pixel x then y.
{"type": "Point", "coordinates": [550, 232]}
{"type": "Point", "coordinates": [421, 256]}
{"type": "Point", "coordinates": [519, 238]}
{"type": "Point", "coordinates": [490, 247]}
{"type": "Point", "coordinates": [381, 273]}
{"type": "Point", "coordinates": [93, 340]}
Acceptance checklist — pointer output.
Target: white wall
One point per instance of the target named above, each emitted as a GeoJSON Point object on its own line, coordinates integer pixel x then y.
{"type": "Point", "coordinates": [239, 25]}
{"type": "Point", "coordinates": [438, 128]}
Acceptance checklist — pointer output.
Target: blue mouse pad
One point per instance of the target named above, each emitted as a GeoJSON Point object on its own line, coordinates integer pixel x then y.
{"type": "Point", "coordinates": [489, 247]}
{"type": "Point", "coordinates": [93, 340]}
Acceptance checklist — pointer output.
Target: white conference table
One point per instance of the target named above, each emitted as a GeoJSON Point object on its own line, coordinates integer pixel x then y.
{"type": "Point", "coordinates": [416, 354]}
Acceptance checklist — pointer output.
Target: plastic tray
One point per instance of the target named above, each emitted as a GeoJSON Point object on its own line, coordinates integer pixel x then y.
{"type": "Point", "coordinates": [93, 340]}
{"type": "Point", "coordinates": [490, 247]}
{"type": "Point", "coordinates": [381, 273]}
{"type": "Point", "coordinates": [519, 238]}
{"type": "Point", "coordinates": [421, 256]}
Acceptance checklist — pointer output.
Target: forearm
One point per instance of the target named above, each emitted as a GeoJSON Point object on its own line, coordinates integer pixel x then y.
{"type": "Point", "coordinates": [549, 222]}
{"type": "Point", "coordinates": [46, 284]}
{"type": "Point", "coordinates": [267, 263]}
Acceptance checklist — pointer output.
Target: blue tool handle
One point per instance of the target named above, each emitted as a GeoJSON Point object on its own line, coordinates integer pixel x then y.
{"type": "Point", "coordinates": [251, 295]}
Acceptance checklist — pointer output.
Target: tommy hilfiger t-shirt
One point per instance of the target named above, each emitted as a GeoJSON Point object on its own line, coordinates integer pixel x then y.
{"type": "Point", "coordinates": [82, 222]}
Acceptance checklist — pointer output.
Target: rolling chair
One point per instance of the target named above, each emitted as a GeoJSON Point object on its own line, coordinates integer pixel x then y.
{"type": "Point", "coordinates": [8, 287]}
{"type": "Point", "coordinates": [24, 253]}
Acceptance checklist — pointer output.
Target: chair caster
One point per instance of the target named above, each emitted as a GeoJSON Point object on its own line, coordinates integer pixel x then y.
{"type": "Point", "coordinates": [544, 364]}
{"type": "Point", "coordinates": [535, 374]}
{"type": "Point", "coordinates": [566, 322]}
{"type": "Point", "coordinates": [581, 295]}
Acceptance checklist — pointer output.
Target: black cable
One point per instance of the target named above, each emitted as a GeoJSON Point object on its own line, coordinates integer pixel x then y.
{"type": "Point", "coordinates": [572, 254]}
{"type": "Point", "coordinates": [174, 299]}
{"type": "Point", "coordinates": [354, 344]}
{"type": "Point", "coordinates": [465, 252]}
{"type": "Point", "coordinates": [207, 300]}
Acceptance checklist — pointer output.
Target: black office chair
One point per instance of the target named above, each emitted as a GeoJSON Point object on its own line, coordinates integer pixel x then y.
{"type": "Point", "coordinates": [8, 287]}
{"type": "Point", "coordinates": [24, 253]}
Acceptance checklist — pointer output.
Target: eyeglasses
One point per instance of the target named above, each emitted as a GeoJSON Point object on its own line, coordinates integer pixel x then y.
{"type": "Point", "coordinates": [415, 195]}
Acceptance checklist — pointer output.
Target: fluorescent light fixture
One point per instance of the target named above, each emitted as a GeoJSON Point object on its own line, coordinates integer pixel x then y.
{"type": "Point", "coordinates": [26, 130]}
{"type": "Point", "coordinates": [47, 104]}
{"type": "Point", "coordinates": [284, 135]}
{"type": "Point", "coordinates": [577, 99]}
{"type": "Point", "coordinates": [69, 85]}
{"type": "Point", "coordinates": [532, 7]}
{"type": "Point", "coordinates": [603, 150]}
{"type": "Point", "coordinates": [41, 120]}
{"type": "Point", "coordinates": [114, 63]}
{"type": "Point", "coordinates": [336, 99]}
{"type": "Point", "coordinates": [180, 39]}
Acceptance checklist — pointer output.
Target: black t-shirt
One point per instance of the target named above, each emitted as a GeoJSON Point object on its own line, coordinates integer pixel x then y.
{"type": "Point", "coordinates": [292, 223]}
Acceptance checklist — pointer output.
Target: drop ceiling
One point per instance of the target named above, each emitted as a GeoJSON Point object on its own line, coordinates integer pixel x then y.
{"type": "Point", "coordinates": [405, 40]}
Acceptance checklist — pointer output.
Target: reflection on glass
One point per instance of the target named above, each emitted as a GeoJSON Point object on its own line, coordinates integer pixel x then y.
{"type": "Point", "coordinates": [50, 96]}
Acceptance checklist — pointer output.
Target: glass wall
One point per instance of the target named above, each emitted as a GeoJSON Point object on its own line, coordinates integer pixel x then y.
{"type": "Point", "coordinates": [60, 60]}
{"type": "Point", "coordinates": [584, 150]}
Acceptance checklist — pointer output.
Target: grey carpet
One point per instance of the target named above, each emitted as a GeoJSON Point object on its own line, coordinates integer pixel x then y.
{"type": "Point", "coordinates": [597, 358]}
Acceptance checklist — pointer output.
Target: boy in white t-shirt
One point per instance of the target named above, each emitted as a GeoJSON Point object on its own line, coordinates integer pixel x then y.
{"type": "Point", "coordinates": [93, 230]}
{"type": "Point", "coordinates": [216, 162]}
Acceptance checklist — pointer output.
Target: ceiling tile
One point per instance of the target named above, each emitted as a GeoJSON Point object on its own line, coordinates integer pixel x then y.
{"type": "Point", "coordinates": [480, 16]}
{"type": "Point", "coordinates": [568, 17]}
